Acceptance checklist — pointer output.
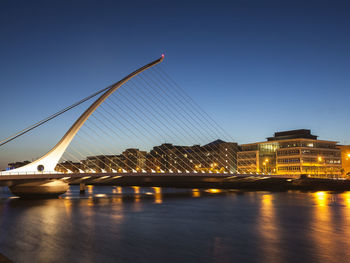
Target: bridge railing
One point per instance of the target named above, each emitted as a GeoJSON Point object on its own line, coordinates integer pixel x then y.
{"type": "Point", "coordinates": [127, 173]}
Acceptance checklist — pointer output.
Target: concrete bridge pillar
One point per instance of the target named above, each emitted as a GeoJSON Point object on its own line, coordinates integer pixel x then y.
{"type": "Point", "coordinates": [82, 188]}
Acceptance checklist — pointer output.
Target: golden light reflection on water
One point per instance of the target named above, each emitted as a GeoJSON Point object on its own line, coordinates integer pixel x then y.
{"type": "Point", "coordinates": [346, 199]}
{"type": "Point", "coordinates": [68, 205]}
{"type": "Point", "coordinates": [158, 195]}
{"type": "Point", "coordinates": [136, 193]}
{"type": "Point", "coordinates": [136, 190]}
{"type": "Point", "coordinates": [117, 200]}
{"type": "Point", "coordinates": [49, 216]}
{"type": "Point", "coordinates": [117, 190]}
{"type": "Point", "coordinates": [321, 198]}
{"type": "Point", "coordinates": [321, 224]}
{"type": "Point", "coordinates": [346, 217]}
{"type": "Point", "coordinates": [90, 201]}
{"type": "Point", "coordinates": [268, 227]}
{"type": "Point", "coordinates": [90, 189]}
{"type": "Point", "coordinates": [196, 193]}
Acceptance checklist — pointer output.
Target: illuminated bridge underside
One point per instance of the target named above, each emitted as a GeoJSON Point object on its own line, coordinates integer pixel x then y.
{"type": "Point", "coordinates": [48, 162]}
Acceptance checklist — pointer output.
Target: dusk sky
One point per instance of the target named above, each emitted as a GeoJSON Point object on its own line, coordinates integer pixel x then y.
{"type": "Point", "coordinates": [255, 66]}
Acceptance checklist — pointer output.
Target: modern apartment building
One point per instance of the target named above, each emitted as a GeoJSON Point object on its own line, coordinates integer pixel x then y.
{"type": "Point", "coordinates": [217, 156]}
{"type": "Point", "coordinates": [295, 152]}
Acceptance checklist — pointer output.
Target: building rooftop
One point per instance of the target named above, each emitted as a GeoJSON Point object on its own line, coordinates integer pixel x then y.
{"type": "Point", "coordinates": [293, 134]}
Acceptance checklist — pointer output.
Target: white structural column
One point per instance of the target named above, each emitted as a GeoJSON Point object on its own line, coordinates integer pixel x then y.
{"type": "Point", "coordinates": [48, 162]}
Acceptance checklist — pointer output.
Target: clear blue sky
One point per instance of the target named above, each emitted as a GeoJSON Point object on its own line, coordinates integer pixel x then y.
{"type": "Point", "coordinates": [256, 66]}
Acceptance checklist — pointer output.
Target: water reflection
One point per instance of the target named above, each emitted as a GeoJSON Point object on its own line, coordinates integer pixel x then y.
{"type": "Point", "coordinates": [346, 200]}
{"type": "Point", "coordinates": [322, 225]}
{"type": "Point", "coordinates": [133, 224]}
{"type": "Point", "coordinates": [158, 195]}
{"type": "Point", "coordinates": [196, 193]}
{"type": "Point", "coordinates": [345, 222]}
{"type": "Point", "coordinates": [321, 198]}
{"type": "Point", "coordinates": [90, 189]}
{"type": "Point", "coordinates": [268, 227]}
{"type": "Point", "coordinates": [68, 203]}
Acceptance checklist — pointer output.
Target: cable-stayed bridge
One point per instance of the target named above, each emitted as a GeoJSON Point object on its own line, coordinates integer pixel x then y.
{"type": "Point", "coordinates": [144, 127]}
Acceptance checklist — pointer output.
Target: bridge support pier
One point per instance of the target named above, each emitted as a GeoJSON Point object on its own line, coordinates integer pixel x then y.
{"type": "Point", "coordinates": [82, 188]}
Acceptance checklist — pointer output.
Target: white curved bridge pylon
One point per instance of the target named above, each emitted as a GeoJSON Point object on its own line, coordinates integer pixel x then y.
{"type": "Point", "coordinates": [48, 162]}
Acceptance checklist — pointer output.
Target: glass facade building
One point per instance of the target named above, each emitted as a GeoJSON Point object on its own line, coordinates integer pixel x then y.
{"type": "Point", "coordinates": [296, 153]}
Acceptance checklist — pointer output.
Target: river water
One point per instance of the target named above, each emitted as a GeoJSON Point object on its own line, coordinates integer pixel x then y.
{"type": "Point", "coordinates": [131, 224]}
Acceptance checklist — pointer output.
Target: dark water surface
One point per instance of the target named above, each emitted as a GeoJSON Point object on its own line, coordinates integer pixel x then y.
{"type": "Point", "coordinates": [113, 224]}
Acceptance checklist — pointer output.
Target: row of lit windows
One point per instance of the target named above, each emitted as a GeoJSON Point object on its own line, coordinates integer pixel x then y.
{"type": "Point", "coordinates": [246, 163]}
{"type": "Point", "coordinates": [307, 144]}
{"type": "Point", "coordinates": [247, 156]}
{"type": "Point", "coordinates": [322, 168]}
{"type": "Point", "coordinates": [288, 152]}
{"type": "Point", "coordinates": [289, 168]}
{"type": "Point", "coordinates": [322, 153]}
{"type": "Point", "coordinates": [316, 160]}
{"type": "Point", "coordinates": [290, 160]}
{"type": "Point", "coordinates": [308, 152]}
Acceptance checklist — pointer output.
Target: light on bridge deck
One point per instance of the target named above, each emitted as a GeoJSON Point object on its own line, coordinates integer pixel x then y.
{"type": "Point", "coordinates": [65, 178]}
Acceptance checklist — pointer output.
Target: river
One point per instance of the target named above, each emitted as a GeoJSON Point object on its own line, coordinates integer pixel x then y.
{"type": "Point", "coordinates": [132, 224]}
